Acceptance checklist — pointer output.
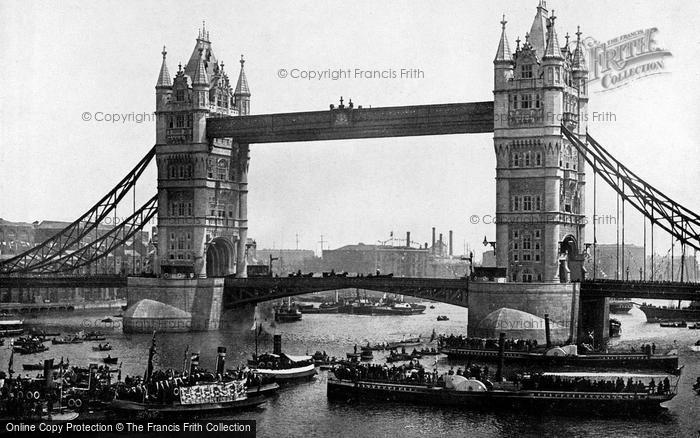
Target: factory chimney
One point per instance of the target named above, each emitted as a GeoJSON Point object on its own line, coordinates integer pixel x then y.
{"type": "Point", "coordinates": [433, 247]}
{"type": "Point", "coordinates": [408, 238]}
{"type": "Point", "coordinates": [451, 243]}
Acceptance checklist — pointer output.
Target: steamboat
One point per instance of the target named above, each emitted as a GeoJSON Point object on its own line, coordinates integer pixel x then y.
{"type": "Point", "coordinates": [571, 392]}
{"type": "Point", "coordinates": [670, 314]}
{"type": "Point", "coordinates": [568, 356]}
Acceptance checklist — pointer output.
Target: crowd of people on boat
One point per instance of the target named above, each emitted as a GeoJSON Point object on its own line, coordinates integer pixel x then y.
{"type": "Point", "coordinates": [162, 384]}
{"type": "Point", "coordinates": [585, 384]}
{"type": "Point", "coordinates": [647, 349]}
{"type": "Point", "coordinates": [411, 372]}
{"type": "Point", "coordinates": [462, 341]}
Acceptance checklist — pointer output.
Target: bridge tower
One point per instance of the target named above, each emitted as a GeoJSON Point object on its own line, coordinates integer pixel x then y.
{"type": "Point", "coordinates": [540, 178]}
{"type": "Point", "coordinates": [202, 182]}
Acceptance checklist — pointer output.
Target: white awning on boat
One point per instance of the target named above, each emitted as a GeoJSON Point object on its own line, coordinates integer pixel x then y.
{"type": "Point", "coordinates": [298, 358]}
{"type": "Point", "coordinates": [608, 375]}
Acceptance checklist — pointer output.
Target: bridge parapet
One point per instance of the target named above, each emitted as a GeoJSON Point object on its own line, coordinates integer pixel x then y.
{"type": "Point", "coordinates": [672, 290]}
{"type": "Point", "coordinates": [238, 291]}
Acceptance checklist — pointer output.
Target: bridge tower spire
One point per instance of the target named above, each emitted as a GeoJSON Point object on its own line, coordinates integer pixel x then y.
{"type": "Point", "coordinates": [242, 93]}
{"type": "Point", "coordinates": [540, 178]}
{"type": "Point", "coordinates": [202, 182]}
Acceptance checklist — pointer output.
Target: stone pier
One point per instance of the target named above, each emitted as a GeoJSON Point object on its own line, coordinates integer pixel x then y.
{"type": "Point", "coordinates": [198, 301]}
{"type": "Point", "coordinates": [559, 300]}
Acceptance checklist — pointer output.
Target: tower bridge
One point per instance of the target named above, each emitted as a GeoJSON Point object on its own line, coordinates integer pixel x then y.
{"type": "Point", "coordinates": [204, 132]}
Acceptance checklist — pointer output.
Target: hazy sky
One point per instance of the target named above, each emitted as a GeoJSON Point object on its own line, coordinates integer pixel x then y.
{"type": "Point", "coordinates": [63, 59]}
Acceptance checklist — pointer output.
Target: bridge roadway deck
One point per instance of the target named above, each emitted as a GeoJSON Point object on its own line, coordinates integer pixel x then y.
{"type": "Point", "coordinates": [256, 289]}
{"type": "Point", "coordinates": [452, 291]}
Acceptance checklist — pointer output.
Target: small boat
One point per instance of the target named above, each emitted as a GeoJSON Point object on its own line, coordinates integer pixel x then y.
{"type": "Point", "coordinates": [288, 313]}
{"type": "Point", "coordinates": [284, 367]}
{"type": "Point", "coordinates": [67, 340]}
{"type": "Point", "coordinates": [432, 307]}
{"type": "Point", "coordinates": [94, 336]}
{"type": "Point", "coordinates": [677, 324]}
{"type": "Point", "coordinates": [102, 347]}
{"type": "Point", "coordinates": [36, 367]}
{"type": "Point", "coordinates": [353, 356]}
{"type": "Point", "coordinates": [410, 342]}
{"type": "Point", "coordinates": [366, 354]}
{"type": "Point", "coordinates": [11, 327]}
{"type": "Point", "coordinates": [695, 326]}
{"type": "Point", "coordinates": [429, 352]}
{"type": "Point", "coordinates": [42, 333]}
{"type": "Point", "coordinates": [107, 320]}
{"type": "Point", "coordinates": [110, 360]}
{"type": "Point", "coordinates": [443, 318]}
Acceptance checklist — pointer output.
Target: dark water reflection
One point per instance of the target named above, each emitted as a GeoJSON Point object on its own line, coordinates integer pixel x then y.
{"type": "Point", "coordinates": [303, 409]}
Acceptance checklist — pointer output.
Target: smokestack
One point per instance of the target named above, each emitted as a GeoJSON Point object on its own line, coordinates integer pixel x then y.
{"type": "Point", "coordinates": [433, 248]}
{"type": "Point", "coordinates": [441, 245]}
{"type": "Point", "coordinates": [220, 360]}
{"type": "Point", "coordinates": [548, 339]}
{"type": "Point", "coordinates": [451, 243]}
{"type": "Point", "coordinates": [277, 344]}
{"type": "Point", "coordinates": [408, 238]}
{"type": "Point", "coordinates": [501, 358]}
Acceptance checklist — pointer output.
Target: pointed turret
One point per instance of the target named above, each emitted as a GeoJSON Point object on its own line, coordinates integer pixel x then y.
{"type": "Point", "coordinates": [503, 53]}
{"type": "Point", "coordinates": [200, 73]}
{"type": "Point", "coordinates": [538, 35]}
{"type": "Point", "coordinates": [242, 85]}
{"type": "Point", "coordinates": [164, 76]}
{"type": "Point", "coordinates": [210, 61]}
{"type": "Point", "coordinates": [241, 95]}
{"type": "Point", "coordinates": [552, 50]}
{"type": "Point", "coordinates": [579, 60]}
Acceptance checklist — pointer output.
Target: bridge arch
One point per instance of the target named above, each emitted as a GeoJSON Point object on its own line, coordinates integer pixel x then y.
{"type": "Point", "coordinates": [220, 257]}
{"type": "Point", "coordinates": [568, 261]}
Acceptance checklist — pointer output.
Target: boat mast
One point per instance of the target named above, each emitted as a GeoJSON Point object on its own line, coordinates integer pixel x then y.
{"type": "Point", "coordinates": [151, 353]}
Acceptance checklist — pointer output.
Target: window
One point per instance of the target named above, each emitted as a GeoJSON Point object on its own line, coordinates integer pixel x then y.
{"type": "Point", "coordinates": [515, 278]}
{"type": "Point", "coordinates": [527, 203]}
{"type": "Point", "coordinates": [567, 208]}
{"type": "Point", "coordinates": [515, 234]}
{"type": "Point", "coordinates": [526, 101]}
{"type": "Point", "coordinates": [181, 209]}
{"type": "Point", "coordinates": [538, 159]}
{"type": "Point", "coordinates": [516, 245]}
{"type": "Point", "coordinates": [527, 159]}
{"type": "Point", "coordinates": [526, 242]}
{"type": "Point", "coordinates": [526, 71]}
{"type": "Point", "coordinates": [537, 245]}
{"type": "Point", "coordinates": [526, 257]}
{"type": "Point", "coordinates": [189, 209]}
{"type": "Point", "coordinates": [537, 234]}
{"type": "Point", "coordinates": [180, 95]}
{"type": "Point", "coordinates": [516, 203]}
{"type": "Point", "coordinates": [537, 100]}
{"type": "Point", "coordinates": [181, 121]}
{"type": "Point", "coordinates": [527, 277]}
{"type": "Point", "coordinates": [558, 75]}
{"type": "Point", "coordinates": [515, 257]}
{"type": "Point", "coordinates": [538, 203]}
{"type": "Point", "coordinates": [516, 160]}
{"type": "Point", "coordinates": [537, 256]}
{"type": "Point", "coordinates": [171, 122]}
{"type": "Point", "coordinates": [515, 101]}
{"type": "Point", "coordinates": [549, 74]}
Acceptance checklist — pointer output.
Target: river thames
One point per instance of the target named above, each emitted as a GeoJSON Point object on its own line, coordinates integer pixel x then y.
{"type": "Point", "coordinates": [302, 409]}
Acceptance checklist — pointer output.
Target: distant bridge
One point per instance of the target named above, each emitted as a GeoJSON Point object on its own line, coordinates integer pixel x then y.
{"type": "Point", "coordinates": [257, 289]}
